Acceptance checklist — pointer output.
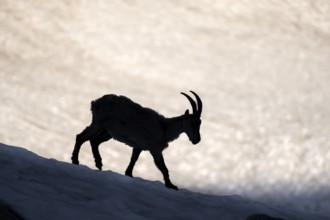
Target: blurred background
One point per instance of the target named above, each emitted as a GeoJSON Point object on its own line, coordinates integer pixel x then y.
{"type": "Point", "coordinates": [260, 67]}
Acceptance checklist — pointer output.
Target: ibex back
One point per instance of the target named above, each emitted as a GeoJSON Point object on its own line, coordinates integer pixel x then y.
{"type": "Point", "coordinates": [141, 128]}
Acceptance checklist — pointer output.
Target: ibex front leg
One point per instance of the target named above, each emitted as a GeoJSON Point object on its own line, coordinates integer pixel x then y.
{"type": "Point", "coordinates": [135, 156]}
{"type": "Point", "coordinates": [160, 163]}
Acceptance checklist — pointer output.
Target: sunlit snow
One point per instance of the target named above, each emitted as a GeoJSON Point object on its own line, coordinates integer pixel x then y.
{"type": "Point", "coordinates": [260, 67]}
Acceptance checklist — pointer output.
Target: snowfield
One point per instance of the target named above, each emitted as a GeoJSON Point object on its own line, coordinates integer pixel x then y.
{"type": "Point", "coordinates": [40, 188]}
{"type": "Point", "coordinates": [260, 67]}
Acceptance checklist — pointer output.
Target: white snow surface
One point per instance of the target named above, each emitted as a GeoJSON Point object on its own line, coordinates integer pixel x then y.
{"type": "Point", "coordinates": [261, 68]}
{"type": "Point", "coordinates": [40, 188]}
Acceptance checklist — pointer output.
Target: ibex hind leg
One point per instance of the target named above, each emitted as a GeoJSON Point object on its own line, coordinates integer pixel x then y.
{"type": "Point", "coordinates": [85, 135]}
{"type": "Point", "coordinates": [95, 141]}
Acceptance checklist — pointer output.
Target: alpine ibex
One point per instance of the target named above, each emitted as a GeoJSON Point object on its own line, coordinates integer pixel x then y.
{"type": "Point", "coordinates": [141, 128]}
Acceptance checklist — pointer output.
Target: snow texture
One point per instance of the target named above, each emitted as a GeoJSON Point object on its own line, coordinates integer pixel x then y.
{"type": "Point", "coordinates": [260, 67]}
{"type": "Point", "coordinates": [40, 188]}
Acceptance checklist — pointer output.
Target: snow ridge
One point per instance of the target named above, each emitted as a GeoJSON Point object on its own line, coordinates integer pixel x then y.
{"type": "Point", "coordinates": [40, 188]}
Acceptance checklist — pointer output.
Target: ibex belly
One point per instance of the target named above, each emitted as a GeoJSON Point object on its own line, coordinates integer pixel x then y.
{"type": "Point", "coordinates": [136, 135]}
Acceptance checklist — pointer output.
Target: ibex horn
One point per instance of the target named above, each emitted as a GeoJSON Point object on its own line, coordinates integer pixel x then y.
{"type": "Point", "coordinates": [199, 103]}
{"type": "Point", "coordinates": [192, 102]}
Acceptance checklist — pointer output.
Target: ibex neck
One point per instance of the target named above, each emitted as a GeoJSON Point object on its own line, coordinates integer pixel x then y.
{"type": "Point", "coordinates": [174, 127]}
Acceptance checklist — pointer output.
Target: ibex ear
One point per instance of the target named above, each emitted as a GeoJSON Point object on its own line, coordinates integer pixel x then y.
{"type": "Point", "coordinates": [186, 113]}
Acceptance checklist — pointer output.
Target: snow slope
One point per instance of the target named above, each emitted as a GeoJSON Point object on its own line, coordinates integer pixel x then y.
{"type": "Point", "coordinates": [39, 188]}
{"type": "Point", "coordinates": [261, 68]}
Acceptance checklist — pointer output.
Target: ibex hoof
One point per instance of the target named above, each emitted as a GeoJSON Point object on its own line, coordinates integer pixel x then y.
{"type": "Point", "coordinates": [99, 165]}
{"type": "Point", "coordinates": [128, 174]}
{"type": "Point", "coordinates": [75, 161]}
{"type": "Point", "coordinates": [171, 186]}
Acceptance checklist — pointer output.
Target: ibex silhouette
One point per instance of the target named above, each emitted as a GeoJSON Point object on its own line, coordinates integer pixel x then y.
{"type": "Point", "coordinates": [141, 128]}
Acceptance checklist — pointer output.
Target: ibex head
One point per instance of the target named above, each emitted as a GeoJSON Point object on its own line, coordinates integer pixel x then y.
{"type": "Point", "coordinates": [192, 121]}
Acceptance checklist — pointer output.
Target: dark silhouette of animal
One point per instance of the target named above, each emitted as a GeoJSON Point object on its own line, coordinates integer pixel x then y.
{"type": "Point", "coordinates": [141, 128]}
